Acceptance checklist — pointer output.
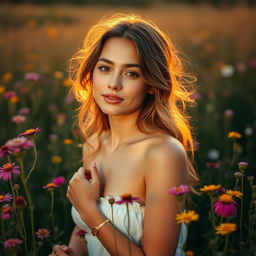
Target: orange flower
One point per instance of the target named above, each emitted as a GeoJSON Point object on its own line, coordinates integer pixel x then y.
{"type": "Point", "coordinates": [210, 188]}
{"type": "Point", "coordinates": [14, 99]}
{"type": "Point", "coordinates": [235, 193]}
{"type": "Point", "coordinates": [234, 135]}
{"type": "Point", "coordinates": [225, 228]}
{"type": "Point", "coordinates": [68, 141]}
{"type": "Point", "coordinates": [67, 82]}
{"type": "Point", "coordinates": [187, 217]}
{"type": "Point", "coordinates": [2, 89]}
{"type": "Point", "coordinates": [189, 253]}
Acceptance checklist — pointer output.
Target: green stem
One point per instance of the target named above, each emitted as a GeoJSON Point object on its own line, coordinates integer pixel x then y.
{"type": "Point", "coordinates": [21, 217]}
{"type": "Point", "coordinates": [51, 212]}
{"type": "Point", "coordinates": [34, 164]}
{"type": "Point", "coordinates": [226, 245]}
{"type": "Point", "coordinates": [30, 206]}
{"type": "Point", "coordinates": [114, 230]}
{"type": "Point", "coordinates": [128, 216]}
{"type": "Point", "coordinates": [241, 208]}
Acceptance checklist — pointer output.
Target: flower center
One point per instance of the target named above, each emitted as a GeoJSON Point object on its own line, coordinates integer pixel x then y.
{"type": "Point", "coordinates": [7, 167]}
{"type": "Point", "coordinates": [6, 209]}
{"type": "Point", "coordinates": [2, 197]}
{"type": "Point", "coordinates": [226, 199]}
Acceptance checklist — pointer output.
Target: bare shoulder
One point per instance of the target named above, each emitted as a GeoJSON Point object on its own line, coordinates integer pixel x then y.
{"type": "Point", "coordinates": [168, 156]}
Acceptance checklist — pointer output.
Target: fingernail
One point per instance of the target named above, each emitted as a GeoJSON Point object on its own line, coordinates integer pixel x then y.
{"type": "Point", "coordinates": [65, 248]}
{"type": "Point", "coordinates": [93, 164]}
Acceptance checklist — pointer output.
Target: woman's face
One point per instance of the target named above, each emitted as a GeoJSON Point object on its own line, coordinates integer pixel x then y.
{"type": "Point", "coordinates": [118, 84]}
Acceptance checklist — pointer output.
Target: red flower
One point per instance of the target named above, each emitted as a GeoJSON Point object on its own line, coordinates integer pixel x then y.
{"type": "Point", "coordinates": [81, 233]}
{"type": "Point", "coordinates": [5, 150]}
{"type": "Point", "coordinates": [19, 202]}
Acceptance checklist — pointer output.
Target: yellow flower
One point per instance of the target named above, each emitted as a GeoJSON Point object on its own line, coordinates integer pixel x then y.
{"type": "Point", "coordinates": [56, 159]}
{"type": "Point", "coordinates": [2, 89]}
{"type": "Point", "coordinates": [68, 141]}
{"type": "Point", "coordinates": [189, 253]}
{"type": "Point", "coordinates": [225, 228]}
{"type": "Point", "coordinates": [225, 198]}
{"type": "Point", "coordinates": [7, 77]}
{"type": "Point", "coordinates": [210, 188]}
{"type": "Point", "coordinates": [235, 135]}
{"type": "Point", "coordinates": [187, 217]}
{"type": "Point", "coordinates": [58, 74]}
{"type": "Point", "coordinates": [67, 82]}
{"type": "Point", "coordinates": [14, 99]}
{"type": "Point", "coordinates": [235, 193]}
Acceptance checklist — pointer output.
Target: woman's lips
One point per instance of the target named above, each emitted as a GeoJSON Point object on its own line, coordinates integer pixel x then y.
{"type": "Point", "coordinates": [112, 99]}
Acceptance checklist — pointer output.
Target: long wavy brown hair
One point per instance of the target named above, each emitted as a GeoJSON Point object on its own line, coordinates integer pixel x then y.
{"type": "Point", "coordinates": [162, 69]}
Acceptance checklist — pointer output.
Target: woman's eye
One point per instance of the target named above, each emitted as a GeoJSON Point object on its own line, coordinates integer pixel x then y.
{"type": "Point", "coordinates": [133, 74]}
{"type": "Point", "coordinates": [104, 68]}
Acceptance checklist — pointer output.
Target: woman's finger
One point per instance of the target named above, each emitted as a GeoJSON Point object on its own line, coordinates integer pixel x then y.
{"type": "Point", "coordinates": [94, 172]}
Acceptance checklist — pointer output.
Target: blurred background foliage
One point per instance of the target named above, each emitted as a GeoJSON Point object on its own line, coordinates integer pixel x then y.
{"type": "Point", "coordinates": [216, 44]}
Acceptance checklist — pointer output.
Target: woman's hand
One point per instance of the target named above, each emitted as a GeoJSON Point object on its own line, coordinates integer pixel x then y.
{"type": "Point", "coordinates": [82, 192]}
{"type": "Point", "coordinates": [62, 250]}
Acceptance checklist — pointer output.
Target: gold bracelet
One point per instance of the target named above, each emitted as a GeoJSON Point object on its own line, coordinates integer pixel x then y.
{"type": "Point", "coordinates": [95, 230]}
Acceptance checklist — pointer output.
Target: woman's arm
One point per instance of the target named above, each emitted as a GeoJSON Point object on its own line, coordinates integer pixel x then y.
{"type": "Point", "coordinates": [166, 166]}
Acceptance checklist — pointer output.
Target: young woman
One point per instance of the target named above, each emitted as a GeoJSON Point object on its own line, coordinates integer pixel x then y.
{"type": "Point", "coordinates": [131, 86]}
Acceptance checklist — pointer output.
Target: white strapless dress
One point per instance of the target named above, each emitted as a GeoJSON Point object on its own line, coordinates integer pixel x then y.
{"type": "Point", "coordinates": [136, 212]}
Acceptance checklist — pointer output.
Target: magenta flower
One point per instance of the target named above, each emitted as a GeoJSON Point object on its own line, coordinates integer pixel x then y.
{"type": "Point", "coordinates": [127, 198]}
{"type": "Point", "coordinates": [179, 191]}
{"type": "Point", "coordinates": [12, 242]}
{"type": "Point", "coordinates": [225, 206]}
{"type": "Point", "coordinates": [81, 233]}
{"type": "Point", "coordinates": [32, 77]}
{"type": "Point", "coordinates": [5, 150]}
{"type": "Point", "coordinates": [30, 132]}
{"type": "Point", "coordinates": [24, 111]}
{"type": "Point", "coordinates": [7, 170]}
{"type": "Point", "coordinates": [42, 233]}
{"type": "Point", "coordinates": [10, 94]}
{"type": "Point", "coordinates": [6, 212]}
{"type": "Point", "coordinates": [5, 198]}
{"type": "Point", "coordinates": [58, 181]}
{"type": "Point", "coordinates": [20, 143]}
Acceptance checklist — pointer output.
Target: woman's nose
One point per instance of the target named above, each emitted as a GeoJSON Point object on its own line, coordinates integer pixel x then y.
{"type": "Point", "coordinates": [115, 83]}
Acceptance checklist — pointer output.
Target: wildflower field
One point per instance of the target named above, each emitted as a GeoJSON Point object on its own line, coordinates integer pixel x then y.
{"type": "Point", "coordinates": [41, 146]}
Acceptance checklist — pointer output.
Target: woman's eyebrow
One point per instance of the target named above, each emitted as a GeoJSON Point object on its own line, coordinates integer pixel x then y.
{"type": "Point", "coordinates": [125, 65]}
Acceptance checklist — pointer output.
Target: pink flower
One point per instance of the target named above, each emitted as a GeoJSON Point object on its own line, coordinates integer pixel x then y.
{"type": "Point", "coordinates": [12, 242]}
{"type": "Point", "coordinates": [58, 181]}
{"type": "Point", "coordinates": [42, 233]}
{"type": "Point", "coordinates": [127, 198]}
{"type": "Point", "coordinates": [5, 198]}
{"type": "Point", "coordinates": [50, 186]}
{"type": "Point", "coordinates": [10, 94]}
{"type": "Point", "coordinates": [242, 165]}
{"type": "Point", "coordinates": [180, 190]}
{"type": "Point", "coordinates": [213, 165]}
{"type": "Point", "coordinates": [20, 143]}
{"type": "Point", "coordinates": [6, 212]}
{"type": "Point", "coordinates": [30, 132]}
{"type": "Point", "coordinates": [253, 63]}
{"type": "Point", "coordinates": [81, 233]}
{"type": "Point", "coordinates": [19, 119]}
{"type": "Point", "coordinates": [24, 111]}
{"type": "Point", "coordinates": [225, 206]}
{"type": "Point", "coordinates": [228, 113]}
{"type": "Point", "coordinates": [7, 170]}
{"type": "Point", "coordinates": [32, 77]}
{"type": "Point", "coordinates": [5, 150]}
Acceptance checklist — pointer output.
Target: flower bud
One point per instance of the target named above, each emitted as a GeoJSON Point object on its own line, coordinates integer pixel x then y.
{"type": "Point", "coordinates": [238, 175]}
{"type": "Point", "coordinates": [111, 200]}
{"type": "Point", "coordinates": [16, 186]}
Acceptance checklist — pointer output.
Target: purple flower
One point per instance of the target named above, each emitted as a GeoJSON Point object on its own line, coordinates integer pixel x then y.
{"type": "Point", "coordinates": [24, 111]}
{"type": "Point", "coordinates": [58, 181]}
{"type": "Point", "coordinates": [5, 150]}
{"type": "Point", "coordinates": [7, 170]}
{"type": "Point", "coordinates": [180, 190]}
{"type": "Point", "coordinates": [20, 143]}
{"type": "Point", "coordinates": [5, 198]}
{"type": "Point", "coordinates": [32, 77]}
{"type": "Point", "coordinates": [225, 206]}
{"type": "Point", "coordinates": [6, 212]}
{"type": "Point", "coordinates": [12, 242]}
